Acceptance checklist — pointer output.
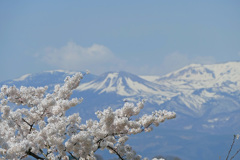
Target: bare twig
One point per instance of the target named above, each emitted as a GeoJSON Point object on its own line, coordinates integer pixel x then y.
{"type": "Point", "coordinates": [235, 154]}
{"type": "Point", "coordinates": [234, 138]}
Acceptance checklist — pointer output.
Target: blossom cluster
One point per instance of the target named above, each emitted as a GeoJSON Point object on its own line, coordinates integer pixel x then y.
{"type": "Point", "coordinates": [43, 131]}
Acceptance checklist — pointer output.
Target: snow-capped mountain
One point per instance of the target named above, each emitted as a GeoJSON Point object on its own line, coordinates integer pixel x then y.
{"type": "Point", "coordinates": [200, 85]}
{"type": "Point", "coordinates": [129, 86]}
{"type": "Point", "coordinates": [225, 77]}
{"type": "Point", "coordinates": [190, 90]}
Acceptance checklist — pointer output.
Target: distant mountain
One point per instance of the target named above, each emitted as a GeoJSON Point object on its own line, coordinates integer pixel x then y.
{"type": "Point", "coordinates": [189, 90]}
{"type": "Point", "coordinates": [202, 86]}
{"type": "Point", "coordinates": [206, 99]}
{"type": "Point", "coordinates": [47, 78]}
{"type": "Point", "coordinates": [224, 77]}
{"type": "Point", "coordinates": [129, 86]}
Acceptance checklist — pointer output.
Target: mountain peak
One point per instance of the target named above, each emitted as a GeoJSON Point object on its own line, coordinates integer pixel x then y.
{"type": "Point", "coordinates": [224, 76]}
{"type": "Point", "coordinates": [204, 72]}
{"type": "Point", "coordinates": [122, 83]}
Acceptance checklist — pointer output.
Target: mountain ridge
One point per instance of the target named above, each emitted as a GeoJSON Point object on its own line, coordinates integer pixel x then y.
{"type": "Point", "coordinates": [192, 86]}
{"type": "Point", "coordinates": [206, 99]}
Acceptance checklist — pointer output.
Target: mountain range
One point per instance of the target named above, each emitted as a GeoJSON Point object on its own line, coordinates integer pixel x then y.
{"type": "Point", "coordinates": [206, 99]}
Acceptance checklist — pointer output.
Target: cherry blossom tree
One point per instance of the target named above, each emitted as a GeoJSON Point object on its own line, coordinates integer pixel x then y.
{"type": "Point", "coordinates": [43, 131]}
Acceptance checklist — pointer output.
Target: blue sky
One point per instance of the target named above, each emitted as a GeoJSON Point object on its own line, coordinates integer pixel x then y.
{"type": "Point", "coordinates": [141, 37]}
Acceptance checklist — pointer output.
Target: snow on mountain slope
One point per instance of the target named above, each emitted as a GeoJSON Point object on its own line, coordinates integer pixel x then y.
{"type": "Point", "coordinates": [225, 77]}
{"type": "Point", "coordinates": [187, 90]}
{"type": "Point", "coordinates": [199, 85]}
{"type": "Point", "coordinates": [124, 84]}
{"type": "Point", "coordinates": [22, 78]}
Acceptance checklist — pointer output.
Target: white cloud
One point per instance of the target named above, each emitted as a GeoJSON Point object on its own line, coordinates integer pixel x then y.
{"type": "Point", "coordinates": [97, 58]}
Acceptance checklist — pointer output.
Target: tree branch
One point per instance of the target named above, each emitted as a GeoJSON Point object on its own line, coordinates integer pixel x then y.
{"type": "Point", "coordinates": [30, 125]}
{"type": "Point", "coordinates": [24, 156]}
{"type": "Point", "coordinates": [115, 152]}
{"type": "Point", "coordinates": [45, 155]}
{"type": "Point", "coordinates": [33, 154]}
{"type": "Point", "coordinates": [100, 140]}
{"type": "Point", "coordinates": [72, 155]}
